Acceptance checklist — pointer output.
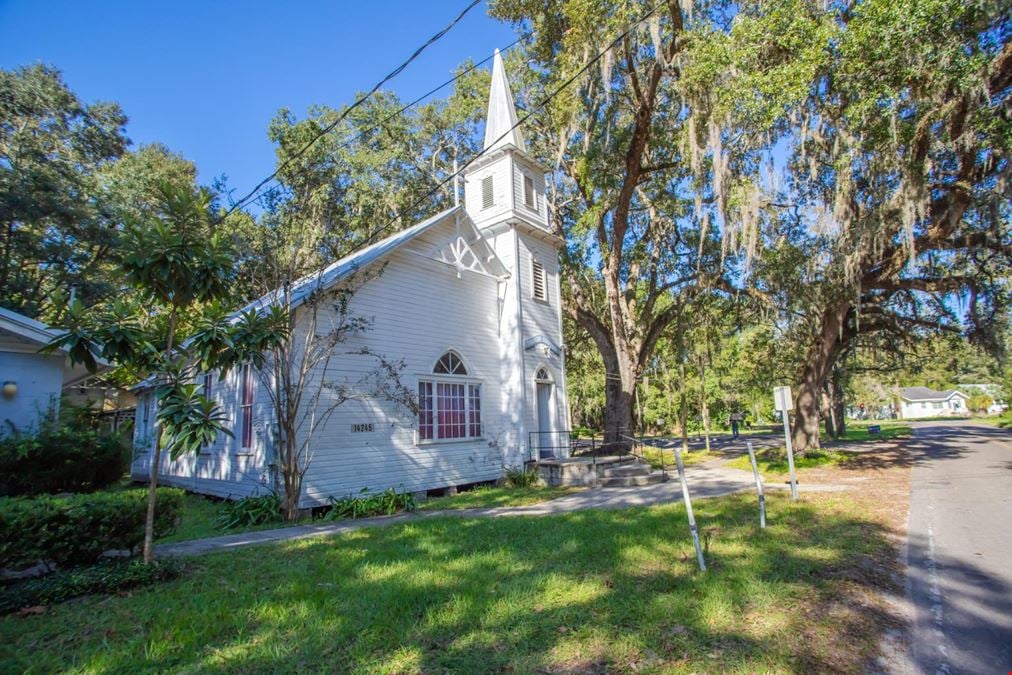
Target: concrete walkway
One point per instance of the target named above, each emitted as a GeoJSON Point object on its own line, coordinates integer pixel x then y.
{"type": "Point", "coordinates": [705, 480]}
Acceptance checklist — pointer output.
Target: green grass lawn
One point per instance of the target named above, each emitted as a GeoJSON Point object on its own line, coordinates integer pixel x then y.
{"type": "Point", "coordinates": [491, 497]}
{"type": "Point", "coordinates": [773, 461]}
{"type": "Point", "coordinates": [594, 591]}
{"type": "Point", "coordinates": [666, 458]}
{"type": "Point", "coordinates": [858, 431]}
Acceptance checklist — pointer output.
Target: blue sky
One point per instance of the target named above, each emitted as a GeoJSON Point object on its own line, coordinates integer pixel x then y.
{"type": "Point", "coordinates": [205, 78]}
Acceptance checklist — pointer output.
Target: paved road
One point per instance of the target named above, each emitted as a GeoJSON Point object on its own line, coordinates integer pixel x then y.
{"type": "Point", "coordinates": [959, 577]}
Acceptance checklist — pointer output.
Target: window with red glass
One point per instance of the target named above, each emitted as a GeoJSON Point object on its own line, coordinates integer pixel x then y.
{"type": "Point", "coordinates": [246, 405]}
{"type": "Point", "coordinates": [449, 408]}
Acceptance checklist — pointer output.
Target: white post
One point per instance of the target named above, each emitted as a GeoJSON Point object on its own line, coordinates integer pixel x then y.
{"type": "Point", "coordinates": [784, 402]}
{"type": "Point", "coordinates": [688, 509]}
{"type": "Point", "coordinates": [758, 486]}
{"type": "Point", "coordinates": [790, 457]}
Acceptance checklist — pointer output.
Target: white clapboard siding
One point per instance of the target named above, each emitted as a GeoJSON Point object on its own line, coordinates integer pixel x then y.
{"type": "Point", "coordinates": [542, 318]}
{"type": "Point", "coordinates": [418, 309]}
{"type": "Point", "coordinates": [538, 214]}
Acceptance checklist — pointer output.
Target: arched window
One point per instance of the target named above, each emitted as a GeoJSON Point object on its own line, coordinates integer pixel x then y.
{"type": "Point", "coordinates": [449, 408]}
{"type": "Point", "coordinates": [450, 364]}
{"type": "Point", "coordinates": [542, 375]}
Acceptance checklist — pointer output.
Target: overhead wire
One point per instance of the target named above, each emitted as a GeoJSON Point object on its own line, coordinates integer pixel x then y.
{"type": "Point", "coordinates": [534, 108]}
{"type": "Point", "coordinates": [333, 125]}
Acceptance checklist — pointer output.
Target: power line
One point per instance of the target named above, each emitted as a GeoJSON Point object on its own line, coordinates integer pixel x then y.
{"type": "Point", "coordinates": [330, 127]}
{"type": "Point", "coordinates": [540, 104]}
{"type": "Point", "coordinates": [351, 139]}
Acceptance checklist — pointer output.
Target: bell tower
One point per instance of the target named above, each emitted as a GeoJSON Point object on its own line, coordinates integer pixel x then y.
{"type": "Point", "coordinates": [504, 196]}
{"type": "Point", "coordinates": [505, 183]}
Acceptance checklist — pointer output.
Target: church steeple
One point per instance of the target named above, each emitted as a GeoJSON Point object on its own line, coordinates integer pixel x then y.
{"type": "Point", "coordinates": [504, 186]}
{"type": "Point", "coordinates": [501, 128]}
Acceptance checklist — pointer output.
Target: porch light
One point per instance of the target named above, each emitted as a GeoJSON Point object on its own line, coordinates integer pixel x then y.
{"type": "Point", "coordinates": [10, 389]}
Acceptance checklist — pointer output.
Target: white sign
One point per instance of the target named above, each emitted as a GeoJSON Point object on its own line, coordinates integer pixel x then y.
{"type": "Point", "coordinates": [782, 399]}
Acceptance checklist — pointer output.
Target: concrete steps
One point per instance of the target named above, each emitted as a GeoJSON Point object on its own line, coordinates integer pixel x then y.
{"type": "Point", "coordinates": [650, 478]}
{"type": "Point", "coordinates": [613, 471]}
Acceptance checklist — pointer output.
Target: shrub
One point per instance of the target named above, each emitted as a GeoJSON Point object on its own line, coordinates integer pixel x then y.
{"type": "Point", "coordinates": [384, 503]}
{"type": "Point", "coordinates": [78, 529]}
{"type": "Point", "coordinates": [107, 576]}
{"type": "Point", "coordinates": [249, 511]}
{"type": "Point", "coordinates": [516, 476]}
{"type": "Point", "coordinates": [61, 459]}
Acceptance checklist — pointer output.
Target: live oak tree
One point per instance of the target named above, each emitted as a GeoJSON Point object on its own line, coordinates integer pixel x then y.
{"type": "Point", "coordinates": [180, 263]}
{"type": "Point", "coordinates": [896, 124]}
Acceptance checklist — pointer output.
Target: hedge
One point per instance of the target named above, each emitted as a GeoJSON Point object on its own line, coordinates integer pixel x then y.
{"type": "Point", "coordinates": [64, 459]}
{"type": "Point", "coordinates": [109, 576]}
{"type": "Point", "coordinates": [77, 529]}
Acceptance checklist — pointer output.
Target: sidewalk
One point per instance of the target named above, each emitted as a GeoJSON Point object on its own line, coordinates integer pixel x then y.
{"type": "Point", "coordinates": [705, 480]}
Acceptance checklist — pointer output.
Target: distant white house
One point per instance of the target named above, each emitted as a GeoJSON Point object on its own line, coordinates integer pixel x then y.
{"type": "Point", "coordinates": [992, 390]}
{"type": "Point", "coordinates": [469, 299]}
{"type": "Point", "coordinates": [31, 382]}
{"type": "Point", "coordinates": [919, 402]}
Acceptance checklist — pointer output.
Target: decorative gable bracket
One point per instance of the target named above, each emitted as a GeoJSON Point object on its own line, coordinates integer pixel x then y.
{"type": "Point", "coordinates": [467, 251]}
{"type": "Point", "coordinates": [531, 343]}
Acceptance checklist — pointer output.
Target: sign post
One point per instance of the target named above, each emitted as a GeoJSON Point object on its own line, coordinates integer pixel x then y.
{"type": "Point", "coordinates": [784, 402]}
{"type": "Point", "coordinates": [758, 486]}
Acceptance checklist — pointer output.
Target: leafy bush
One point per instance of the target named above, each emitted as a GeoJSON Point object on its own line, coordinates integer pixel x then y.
{"type": "Point", "coordinates": [384, 503]}
{"type": "Point", "coordinates": [107, 576]}
{"type": "Point", "coordinates": [517, 476]}
{"type": "Point", "coordinates": [250, 511]}
{"type": "Point", "coordinates": [61, 459]}
{"type": "Point", "coordinates": [78, 529]}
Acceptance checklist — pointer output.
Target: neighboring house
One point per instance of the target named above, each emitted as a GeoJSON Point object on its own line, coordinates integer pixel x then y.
{"type": "Point", "coordinates": [32, 382]}
{"type": "Point", "coordinates": [469, 299]}
{"type": "Point", "coordinates": [916, 402]}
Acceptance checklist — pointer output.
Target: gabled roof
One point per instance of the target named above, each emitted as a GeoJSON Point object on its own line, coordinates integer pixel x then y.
{"type": "Point", "coordinates": [28, 330]}
{"type": "Point", "coordinates": [334, 272]}
{"type": "Point", "coordinates": [348, 264]}
{"type": "Point", "coordinates": [927, 394]}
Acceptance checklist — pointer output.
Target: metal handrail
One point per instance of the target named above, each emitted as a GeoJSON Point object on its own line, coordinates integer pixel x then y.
{"type": "Point", "coordinates": [639, 442]}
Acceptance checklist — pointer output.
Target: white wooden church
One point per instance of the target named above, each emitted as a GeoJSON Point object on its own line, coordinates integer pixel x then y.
{"type": "Point", "coordinates": [469, 299]}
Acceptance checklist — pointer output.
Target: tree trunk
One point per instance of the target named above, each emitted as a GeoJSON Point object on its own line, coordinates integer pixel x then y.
{"type": "Point", "coordinates": [839, 403]}
{"type": "Point", "coordinates": [683, 412]}
{"type": "Point", "coordinates": [149, 518]}
{"type": "Point", "coordinates": [829, 412]}
{"type": "Point", "coordinates": [618, 411]}
{"type": "Point", "coordinates": [620, 397]}
{"type": "Point", "coordinates": [818, 364]}
{"type": "Point", "coordinates": [704, 406]}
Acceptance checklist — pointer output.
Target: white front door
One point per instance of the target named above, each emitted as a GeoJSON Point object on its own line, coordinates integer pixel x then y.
{"type": "Point", "coordinates": [546, 440]}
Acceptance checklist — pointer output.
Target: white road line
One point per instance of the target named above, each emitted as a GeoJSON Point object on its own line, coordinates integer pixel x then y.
{"type": "Point", "coordinates": [935, 592]}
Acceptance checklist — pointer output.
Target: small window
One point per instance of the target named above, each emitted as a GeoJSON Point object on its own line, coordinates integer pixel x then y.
{"type": "Point", "coordinates": [542, 375]}
{"type": "Point", "coordinates": [450, 364]}
{"type": "Point", "coordinates": [246, 405]}
{"type": "Point", "coordinates": [487, 198]}
{"type": "Point", "coordinates": [529, 196]}
{"type": "Point", "coordinates": [539, 287]}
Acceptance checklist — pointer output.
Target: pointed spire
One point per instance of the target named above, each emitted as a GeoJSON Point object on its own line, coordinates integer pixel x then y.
{"type": "Point", "coordinates": [500, 129]}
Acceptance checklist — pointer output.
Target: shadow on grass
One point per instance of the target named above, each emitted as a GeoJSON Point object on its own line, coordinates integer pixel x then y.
{"type": "Point", "coordinates": [589, 591]}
